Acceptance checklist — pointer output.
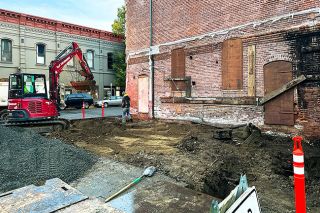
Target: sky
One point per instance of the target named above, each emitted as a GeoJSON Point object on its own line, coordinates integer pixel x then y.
{"type": "Point", "coordinates": [98, 14]}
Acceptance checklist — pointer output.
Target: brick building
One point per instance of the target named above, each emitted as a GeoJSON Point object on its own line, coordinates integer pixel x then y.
{"type": "Point", "coordinates": [218, 61]}
{"type": "Point", "coordinates": [29, 43]}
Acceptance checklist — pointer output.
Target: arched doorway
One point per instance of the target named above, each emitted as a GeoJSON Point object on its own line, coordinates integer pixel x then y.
{"type": "Point", "coordinates": [280, 110]}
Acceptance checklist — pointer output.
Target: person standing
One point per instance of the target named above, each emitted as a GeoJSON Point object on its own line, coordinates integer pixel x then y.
{"type": "Point", "coordinates": [125, 108]}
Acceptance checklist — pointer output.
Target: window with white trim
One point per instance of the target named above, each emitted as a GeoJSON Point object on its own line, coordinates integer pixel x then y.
{"type": "Point", "coordinates": [41, 53]}
{"type": "Point", "coordinates": [6, 50]}
{"type": "Point", "coordinates": [90, 58]}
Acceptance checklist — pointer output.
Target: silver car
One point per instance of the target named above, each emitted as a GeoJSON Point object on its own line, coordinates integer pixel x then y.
{"type": "Point", "coordinates": [111, 101]}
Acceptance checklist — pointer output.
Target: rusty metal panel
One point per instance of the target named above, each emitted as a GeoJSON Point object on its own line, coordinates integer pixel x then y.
{"type": "Point", "coordinates": [143, 94]}
{"type": "Point", "coordinates": [232, 61]}
{"type": "Point", "coordinates": [178, 67]}
{"type": "Point", "coordinates": [251, 71]}
{"type": "Point", "coordinates": [280, 110]}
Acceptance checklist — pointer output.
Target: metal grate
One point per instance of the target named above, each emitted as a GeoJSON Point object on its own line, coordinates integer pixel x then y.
{"type": "Point", "coordinates": [35, 107]}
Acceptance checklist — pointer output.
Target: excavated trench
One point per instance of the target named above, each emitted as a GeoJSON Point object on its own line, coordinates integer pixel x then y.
{"type": "Point", "coordinates": [190, 154]}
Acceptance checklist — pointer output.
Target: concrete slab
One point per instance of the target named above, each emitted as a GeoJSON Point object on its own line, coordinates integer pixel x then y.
{"type": "Point", "coordinates": [54, 196]}
{"type": "Point", "coordinates": [91, 205]}
{"type": "Point", "coordinates": [156, 194]}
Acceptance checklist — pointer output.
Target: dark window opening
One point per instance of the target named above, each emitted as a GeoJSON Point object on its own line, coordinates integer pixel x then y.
{"type": "Point", "coordinates": [41, 53]}
{"type": "Point", "coordinates": [110, 61]}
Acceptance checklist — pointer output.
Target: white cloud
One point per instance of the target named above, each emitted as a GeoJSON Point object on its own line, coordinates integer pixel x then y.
{"type": "Point", "coordinates": [92, 13]}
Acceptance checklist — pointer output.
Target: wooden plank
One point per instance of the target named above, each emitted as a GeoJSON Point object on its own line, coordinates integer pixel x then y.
{"type": "Point", "coordinates": [251, 71]}
{"type": "Point", "coordinates": [282, 89]}
{"type": "Point", "coordinates": [225, 73]}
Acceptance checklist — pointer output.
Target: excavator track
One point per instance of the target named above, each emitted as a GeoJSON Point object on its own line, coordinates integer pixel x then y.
{"type": "Point", "coordinates": [44, 126]}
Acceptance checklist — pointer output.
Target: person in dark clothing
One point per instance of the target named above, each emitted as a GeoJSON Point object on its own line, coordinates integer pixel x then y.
{"type": "Point", "coordinates": [125, 108]}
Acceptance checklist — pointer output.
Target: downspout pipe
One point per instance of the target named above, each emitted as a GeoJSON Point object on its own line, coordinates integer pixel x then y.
{"type": "Point", "coordinates": [151, 60]}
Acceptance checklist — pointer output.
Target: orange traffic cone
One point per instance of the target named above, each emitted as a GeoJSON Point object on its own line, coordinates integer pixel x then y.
{"type": "Point", "coordinates": [299, 178]}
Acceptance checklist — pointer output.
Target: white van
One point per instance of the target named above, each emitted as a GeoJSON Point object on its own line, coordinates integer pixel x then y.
{"type": "Point", "coordinates": [4, 95]}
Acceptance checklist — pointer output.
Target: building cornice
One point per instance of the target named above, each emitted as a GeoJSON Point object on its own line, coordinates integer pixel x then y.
{"type": "Point", "coordinates": [57, 26]}
{"type": "Point", "coordinates": [61, 34]}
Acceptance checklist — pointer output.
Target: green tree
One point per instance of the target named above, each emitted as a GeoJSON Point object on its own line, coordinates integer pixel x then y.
{"type": "Point", "coordinates": [119, 65]}
{"type": "Point", "coordinates": [119, 24]}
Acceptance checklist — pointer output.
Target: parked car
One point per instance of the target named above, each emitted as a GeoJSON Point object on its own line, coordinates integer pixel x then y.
{"type": "Point", "coordinates": [111, 101]}
{"type": "Point", "coordinates": [77, 99]}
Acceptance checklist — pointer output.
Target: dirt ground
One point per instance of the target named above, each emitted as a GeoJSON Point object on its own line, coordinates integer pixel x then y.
{"type": "Point", "coordinates": [189, 153]}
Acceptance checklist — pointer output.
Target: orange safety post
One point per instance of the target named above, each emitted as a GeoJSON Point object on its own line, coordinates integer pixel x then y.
{"type": "Point", "coordinates": [102, 109]}
{"type": "Point", "coordinates": [299, 179]}
{"type": "Point", "coordinates": [83, 111]}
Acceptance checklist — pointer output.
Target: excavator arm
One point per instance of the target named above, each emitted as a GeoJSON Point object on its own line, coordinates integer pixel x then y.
{"type": "Point", "coordinates": [56, 67]}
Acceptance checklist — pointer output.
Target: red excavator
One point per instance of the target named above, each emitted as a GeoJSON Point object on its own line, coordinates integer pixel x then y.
{"type": "Point", "coordinates": [28, 98]}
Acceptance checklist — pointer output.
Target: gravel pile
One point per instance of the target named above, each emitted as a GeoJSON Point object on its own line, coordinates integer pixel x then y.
{"type": "Point", "coordinates": [28, 158]}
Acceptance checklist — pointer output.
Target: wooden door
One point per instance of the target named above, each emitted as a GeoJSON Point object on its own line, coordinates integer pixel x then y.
{"type": "Point", "coordinates": [279, 110]}
{"type": "Point", "coordinates": [143, 94]}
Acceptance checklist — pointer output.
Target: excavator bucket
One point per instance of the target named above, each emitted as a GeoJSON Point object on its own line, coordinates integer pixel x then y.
{"type": "Point", "coordinates": [86, 85]}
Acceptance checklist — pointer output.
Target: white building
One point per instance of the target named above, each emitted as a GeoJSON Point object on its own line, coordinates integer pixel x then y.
{"type": "Point", "coordinates": [29, 43]}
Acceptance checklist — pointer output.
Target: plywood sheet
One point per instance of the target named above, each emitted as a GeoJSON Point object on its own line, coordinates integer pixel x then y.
{"type": "Point", "coordinates": [232, 64]}
{"type": "Point", "coordinates": [143, 94]}
{"type": "Point", "coordinates": [178, 68]}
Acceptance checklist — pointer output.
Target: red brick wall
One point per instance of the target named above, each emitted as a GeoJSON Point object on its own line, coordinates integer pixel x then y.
{"type": "Point", "coordinates": [203, 56]}
{"type": "Point", "coordinates": [174, 20]}
{"type": "Point", "coordinates": [309, 116]}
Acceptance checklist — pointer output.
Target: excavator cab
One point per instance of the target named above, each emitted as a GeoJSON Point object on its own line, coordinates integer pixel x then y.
{"type": "Point", "coordinates": [27, 86]}
{"type": "Point", "coordinates": [28, 98]}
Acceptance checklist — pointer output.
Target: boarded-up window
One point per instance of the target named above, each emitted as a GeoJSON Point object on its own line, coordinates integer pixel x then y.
{"type": "Point", "coordinates": [232, 71]}
{"type": "Point", "coordinates": [178, 66]}
{"type": "Point", "coordinates": [143, 94]}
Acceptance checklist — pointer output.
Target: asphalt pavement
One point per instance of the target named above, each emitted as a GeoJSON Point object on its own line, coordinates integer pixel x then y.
{"type": "Point", "coordinates": [75, 114]}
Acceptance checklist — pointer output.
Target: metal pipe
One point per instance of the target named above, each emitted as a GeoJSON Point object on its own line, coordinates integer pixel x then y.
{"type": "Point", "coordinates": [151, 60]}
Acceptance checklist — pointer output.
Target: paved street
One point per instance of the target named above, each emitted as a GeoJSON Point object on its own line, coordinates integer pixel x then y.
{"type": "Point", "coordinates": [75, 114]}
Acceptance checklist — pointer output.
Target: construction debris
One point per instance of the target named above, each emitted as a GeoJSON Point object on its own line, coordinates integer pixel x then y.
{"type": "Point", "coordinates": [245, 133]}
